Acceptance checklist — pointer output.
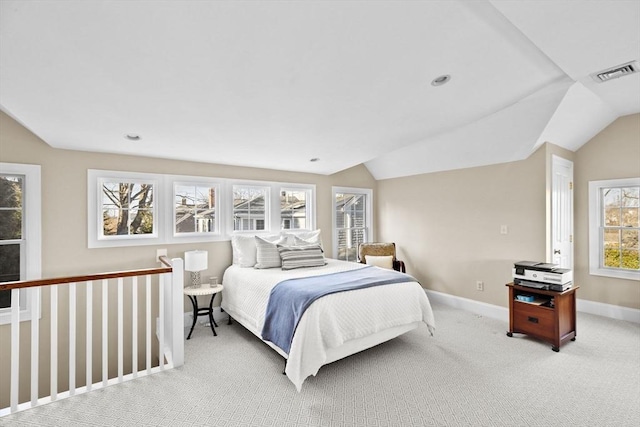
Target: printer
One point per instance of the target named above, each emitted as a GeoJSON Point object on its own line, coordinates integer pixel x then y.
{"type": "Point", "coordinates": [542, 275]}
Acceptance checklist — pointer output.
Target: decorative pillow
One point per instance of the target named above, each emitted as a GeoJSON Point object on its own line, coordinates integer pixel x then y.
{"type": "Point", "coordinates": [296, 241]}
{"type": "Point", "coordinates": [301, 256]}
{"type": "Point", "coordinates": [303, 238]}
{"type": "Point", "coordinates": [244, 248]}
{"type": "Point", "coordinates": [380, 261]}
{"type": "Point", "coordinates": [267, 255]}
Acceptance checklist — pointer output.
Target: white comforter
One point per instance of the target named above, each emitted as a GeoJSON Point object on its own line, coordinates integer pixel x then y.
{"type": "Point", "coordinates": [330, 321]}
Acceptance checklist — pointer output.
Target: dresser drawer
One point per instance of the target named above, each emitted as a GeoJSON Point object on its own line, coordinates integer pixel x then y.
{"type": "Point", "coordinates": [534, 320]}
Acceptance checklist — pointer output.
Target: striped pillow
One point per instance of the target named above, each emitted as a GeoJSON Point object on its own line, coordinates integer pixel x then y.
{"type": "Point", "coordinates": [301, 256]}
{"type": "Point", "coordinates": [267, 255]}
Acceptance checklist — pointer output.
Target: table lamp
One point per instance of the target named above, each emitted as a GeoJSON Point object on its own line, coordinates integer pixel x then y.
{"type": "Point", "coordinates": [195, 262]}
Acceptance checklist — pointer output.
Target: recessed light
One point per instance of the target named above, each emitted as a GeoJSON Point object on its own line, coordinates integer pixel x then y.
{"type": "Point", "coordinates": [440, 80]}
{"type": "Point", "coordinates": [315, 159]}
{"type": "Point", "coordinates": [133, 137]}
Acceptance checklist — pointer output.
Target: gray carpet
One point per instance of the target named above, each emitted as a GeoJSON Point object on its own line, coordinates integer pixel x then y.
{"type": "Point", "coordinates": [469, 373]}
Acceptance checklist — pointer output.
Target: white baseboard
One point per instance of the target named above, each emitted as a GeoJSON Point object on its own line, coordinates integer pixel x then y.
{"type": "Point", "coordinates": [477, 307]}
{"type": "Point", "coordinates": [502, 313]}
{"type": "Point", "coordinates": [608, 310]}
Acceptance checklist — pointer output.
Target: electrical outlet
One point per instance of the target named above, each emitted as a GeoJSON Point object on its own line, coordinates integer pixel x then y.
{"type": "Point", "coordinates": [480, 285]}
{"type": "Point", "coordinates": [504, 229]}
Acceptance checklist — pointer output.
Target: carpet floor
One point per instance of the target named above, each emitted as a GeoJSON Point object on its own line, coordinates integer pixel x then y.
{"type": "Point", "coordinates": [469, 374]}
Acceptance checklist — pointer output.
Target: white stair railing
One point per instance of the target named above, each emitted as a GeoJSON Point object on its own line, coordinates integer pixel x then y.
{"type": "Point", "coordinates": [169, 331]}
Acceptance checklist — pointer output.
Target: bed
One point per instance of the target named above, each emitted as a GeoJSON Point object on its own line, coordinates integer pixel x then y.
{"type": "Point", "coordinates": [332, 327]}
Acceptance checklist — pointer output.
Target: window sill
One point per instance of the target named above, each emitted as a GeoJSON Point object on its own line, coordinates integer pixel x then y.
{"type": "Point", "coordinates": [616, 274]}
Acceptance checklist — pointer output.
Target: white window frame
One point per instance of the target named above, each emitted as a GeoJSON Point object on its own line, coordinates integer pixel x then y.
{"type": "Point", "coordinates": [268, 206]}
{"type": "Point", "coordinates": [310, 207]}
{"type": "Point", "coordinates": [31, 250]}
{"type": "Point", "coordinates": [195, 237]}
{"type": "Point", "coordinates": [164, 208]}
{"type": "Point", "coordinates": [368, 215]}
{"type": "Point", "coordinates": [94, 208]}
{"type": "Point", "coordinates": [595, 223]}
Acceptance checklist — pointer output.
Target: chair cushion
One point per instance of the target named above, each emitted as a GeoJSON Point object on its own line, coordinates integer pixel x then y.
{"type": "Point", "coordinates": [380, 261]}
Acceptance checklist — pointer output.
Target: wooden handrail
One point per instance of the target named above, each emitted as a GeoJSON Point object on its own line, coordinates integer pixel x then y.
{"type": "Point", "coordinates": [5, 286]}
{"type": "Point", "coordinates": [166, 261]}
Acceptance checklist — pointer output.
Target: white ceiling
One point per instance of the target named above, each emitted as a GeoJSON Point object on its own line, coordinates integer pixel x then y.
{"type": "Point", "coordinates": [273, 84]}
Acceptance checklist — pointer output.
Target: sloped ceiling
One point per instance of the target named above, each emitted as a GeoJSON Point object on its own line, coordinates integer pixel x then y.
{"type": "Point", "coordinates": [275, 84]}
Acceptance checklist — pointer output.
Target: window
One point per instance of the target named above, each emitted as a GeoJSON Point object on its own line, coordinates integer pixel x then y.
{"type": "Point", "coordinates": [124, 205]}
{"type": "Point", "coordinates": [352, 212]}
{"type": "Point", "coordinates": [127, 208]}
{"type": "Point", "coordinates": [295, 209]}
{"type": "Point", "coordinates": [250, 208]}
{"type": "Point", "coordinates": [134, 209]}
{"type": "Point", "coordinates": [195, 209]}
{"type": "Point", "coordinates": [19, 233]}
{"type": "Point", "coordinates": [614, 226]}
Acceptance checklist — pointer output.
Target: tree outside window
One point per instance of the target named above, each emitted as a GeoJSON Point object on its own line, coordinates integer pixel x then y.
{"type": "Point", "coordinates": [11, 189]}
{"type": "Point", "coordinates": [20, 235]}
{"type": "Point", "coordinates": [621, 227]}
{"type": "Point", "coordinates": [127, 208]}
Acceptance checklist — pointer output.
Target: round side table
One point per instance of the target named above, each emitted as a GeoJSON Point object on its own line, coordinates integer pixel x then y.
{"type": "Point", "coordinates": [193, 293]}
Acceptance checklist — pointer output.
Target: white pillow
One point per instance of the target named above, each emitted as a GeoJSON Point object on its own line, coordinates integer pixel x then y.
{"type": "Point", "coordinates": [307, 237]}
{"type": "Point", "coordinates": [301, 242]}
{"type": "Point", "coordinates": [244, 248]}
{"type": "Point", "coordinates": [267, 255]}
{"type": "Point", "coordinates": [380, 261]}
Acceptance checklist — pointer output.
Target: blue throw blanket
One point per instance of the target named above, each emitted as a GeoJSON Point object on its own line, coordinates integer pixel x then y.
{"type": "Point", "coordinates": [290, 298]}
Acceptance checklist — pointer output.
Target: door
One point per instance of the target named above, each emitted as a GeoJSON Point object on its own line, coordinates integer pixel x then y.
{"type": "Point", "coordinates": [562, 212]}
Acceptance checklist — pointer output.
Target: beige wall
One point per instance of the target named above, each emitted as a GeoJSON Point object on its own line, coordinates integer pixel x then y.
{"type": "Point", "coordinates": [64, 201]}
{"type": "Point", "coordinates": [64, 222]}
{"type": "Point", "coordinates": [612, 154]}
{"type": "Point", "coordinates": [447, 224]}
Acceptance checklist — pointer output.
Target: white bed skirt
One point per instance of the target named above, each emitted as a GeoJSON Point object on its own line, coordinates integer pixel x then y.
{"type": "Point", "coordinates": [349, 347]}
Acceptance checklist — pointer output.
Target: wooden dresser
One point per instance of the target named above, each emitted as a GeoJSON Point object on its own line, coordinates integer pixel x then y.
{"type": "Point", "coordinates": [550, 316]}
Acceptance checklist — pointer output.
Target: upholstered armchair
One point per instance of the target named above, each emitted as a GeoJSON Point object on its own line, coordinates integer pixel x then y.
{"type": "Point", "coordinates": [379, 254]}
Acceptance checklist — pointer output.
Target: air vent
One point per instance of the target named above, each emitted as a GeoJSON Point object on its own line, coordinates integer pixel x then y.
{"type": "Point", "coordinates": [615, 72]}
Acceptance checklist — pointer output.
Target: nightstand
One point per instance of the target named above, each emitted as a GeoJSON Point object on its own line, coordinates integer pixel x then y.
{"type": "Point", "coordinates": [193, 293]}
{"type": "Point", "coordinates": [547, 315]}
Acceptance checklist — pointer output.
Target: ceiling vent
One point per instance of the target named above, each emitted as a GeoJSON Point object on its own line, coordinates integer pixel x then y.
{"type": "Point", "coordinates": [615, 72]}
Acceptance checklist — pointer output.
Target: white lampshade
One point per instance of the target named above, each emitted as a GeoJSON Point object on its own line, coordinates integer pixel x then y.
{"type": "Point", "coordinates": [195, 260]}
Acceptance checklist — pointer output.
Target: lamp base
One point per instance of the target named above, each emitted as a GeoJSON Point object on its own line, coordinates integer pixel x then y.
{"type": "Point", "coordinates": [195, 279]}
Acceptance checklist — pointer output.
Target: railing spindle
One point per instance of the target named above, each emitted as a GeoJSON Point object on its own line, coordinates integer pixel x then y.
{"type": "Point", "coordinates": [35, 340]}
{"type": "Point", "coordinates": [134, 326]}
{"type": "Point", "coordinates": [161, 321]}
{"type": "Point", "coordinates": [72, 339]}
{"type": "Point", "coordinates": [105, 332]}
{"type": "Point", "coordinates": [148, 331]}
{"type": "Point", "coordinates": [120, 330]}
{"type": "Point", "coordinates": [54, 341]}
{"type": "Point", "coordinates": [89, 338]}
{"type": "Point", "coordinates": [15, 348]}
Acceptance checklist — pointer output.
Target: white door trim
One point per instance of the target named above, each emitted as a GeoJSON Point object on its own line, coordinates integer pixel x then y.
{"type": "Point", "coordinates": [561, 246]}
